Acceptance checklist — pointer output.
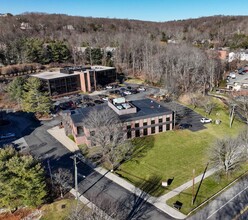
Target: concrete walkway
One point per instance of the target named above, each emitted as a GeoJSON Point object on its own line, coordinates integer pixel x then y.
{"type": "Point", "coordinates": [59, 134]}
{"type": "Point", "coordinates": [159, 202]}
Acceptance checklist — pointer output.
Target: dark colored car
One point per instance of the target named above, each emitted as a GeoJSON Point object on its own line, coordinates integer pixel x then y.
{"type": "Point", "coordinates": [134, 91]}
{"type": "Point", "coordinates": [185, 126]}
{"type": "Point", "coordinates": [129, 87]}
{"type": "Point", "coordinates": [90, 104]}
{"type": "Point", "coordinates": [98, 101]}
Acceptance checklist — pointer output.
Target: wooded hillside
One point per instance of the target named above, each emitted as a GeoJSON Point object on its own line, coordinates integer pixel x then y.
{"type": "Point", "coordinates": [161, 52]}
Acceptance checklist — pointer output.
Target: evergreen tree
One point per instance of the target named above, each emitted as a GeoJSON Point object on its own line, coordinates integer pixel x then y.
{"type": "Point", "coordinates": [34, 100]}
{"type": "Point", "coordinates": [35, 51]}
{"type": "Point", "coordinates": [21, 180]}
{"type": "Point", "coordinates": [15, 89]}
{"type": "Point", "coordinates": [58, 52]}
{"type": "Point", "coordinates": [94, 55]}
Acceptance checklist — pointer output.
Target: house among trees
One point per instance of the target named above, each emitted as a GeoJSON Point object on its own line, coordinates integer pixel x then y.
{"type": "Point", "coordinates": [138, 118]}
{"type": "Point", "coordinates": [75, 79]}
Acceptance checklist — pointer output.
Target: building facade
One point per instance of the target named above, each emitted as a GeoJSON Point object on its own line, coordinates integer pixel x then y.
{"type": "Point", "coordinates": [138, 118]}
{"type": "Point", "coordinates": [75, 79]}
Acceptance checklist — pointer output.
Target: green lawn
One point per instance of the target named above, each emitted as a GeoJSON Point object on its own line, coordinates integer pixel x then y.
{"type": "Point", "coordinates": [59, 209]}
{"type": "Point", "coordinates": [209, 187]}
{"type": "Point", "coordinates": [175, 153]}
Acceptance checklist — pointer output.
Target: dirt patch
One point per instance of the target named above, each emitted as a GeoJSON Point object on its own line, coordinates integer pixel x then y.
{"type": "Point", "coordinates": [17, 215]}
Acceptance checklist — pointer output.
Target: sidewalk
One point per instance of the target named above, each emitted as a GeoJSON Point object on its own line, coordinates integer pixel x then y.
{"type": "Point", "coordinates": [159, 202]}
{"type": "Point", "coordinates": [59, 134]}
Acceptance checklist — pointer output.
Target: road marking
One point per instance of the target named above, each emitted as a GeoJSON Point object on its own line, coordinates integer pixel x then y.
{"type": "Point", "coordinates": [227, 202]}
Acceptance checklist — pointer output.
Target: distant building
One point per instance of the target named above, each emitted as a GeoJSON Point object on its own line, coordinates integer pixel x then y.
{"type": "Point", "coordinates": [240, 56]}
{"type": "Point", "coordinates": [74, 79]}
{"type": "Point", "coordinates": [223, 54]}
{"type": "Point", "coordinates": [139, 118]}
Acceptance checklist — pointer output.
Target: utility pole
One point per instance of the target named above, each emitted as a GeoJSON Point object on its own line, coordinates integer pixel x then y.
{"type": "Point", "coordinates": [232, 114]}
{"type": "Point", "coordinates": [50, 172]}
{"type": "Point", "coordinates": [193, 186]}
{"type": "Point", "coordinates": [74, 157]}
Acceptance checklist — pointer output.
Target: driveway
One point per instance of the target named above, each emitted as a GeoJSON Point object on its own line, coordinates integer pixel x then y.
{"type": "Point", "coordinates": [185, 115]}
{"type": "Point", "coordinates": [95, 187]}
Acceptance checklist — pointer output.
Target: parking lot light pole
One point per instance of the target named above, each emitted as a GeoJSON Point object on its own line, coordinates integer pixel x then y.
{"type": "Point", "coordinates": [74, 157]}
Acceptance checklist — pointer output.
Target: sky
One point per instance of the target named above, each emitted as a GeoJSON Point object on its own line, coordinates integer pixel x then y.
{"type": "Point", "coordinates": [147, 10]}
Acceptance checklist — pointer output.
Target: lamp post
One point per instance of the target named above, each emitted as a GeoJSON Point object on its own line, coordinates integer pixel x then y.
{"type": "Point", "coordinates": [74, 157]}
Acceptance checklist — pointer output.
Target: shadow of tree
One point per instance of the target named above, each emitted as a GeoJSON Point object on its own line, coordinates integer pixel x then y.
{"type": "Point", "coordinates": [142, 146]}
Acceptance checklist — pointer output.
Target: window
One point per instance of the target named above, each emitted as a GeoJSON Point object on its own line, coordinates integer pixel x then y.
{"type": "Point", "coordinates": [167, 118]}
{"type": "Point", "coordinates": [128, 127]}
{"type": "Point", "coordinates": [144, 123]}
{"type": "Point", "coordinates": [92, 133]}
{"type": "Point", "coordinates": [153, 130]}
{"type": "Point", "coordinates": [80, 130]}
{"type": "Point", "coordinates": [137, 133]}
{"type": "Point", "coordinates": [145, 131]}
{"type": "Point", "coordinates": [160, 119]}
{"type": "Point", "coordinates": [129, 134]}
{"type": "Point", "coordinates": [160, 128]}
{"type": "Point", "coordinates": [167, 127]}
{"type": "Point", "coordinates": [136, 125]}
{"type": "Point", "coordinates": [152, 121]}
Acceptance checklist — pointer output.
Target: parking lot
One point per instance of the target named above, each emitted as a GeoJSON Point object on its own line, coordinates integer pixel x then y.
{"type": "Point", "coordinates": [129, 91]}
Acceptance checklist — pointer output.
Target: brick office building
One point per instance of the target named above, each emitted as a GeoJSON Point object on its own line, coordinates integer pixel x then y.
{"type": "Point", "coordinates": [75, 79]}
{"type": "Point", "coordinates": [139, 118]}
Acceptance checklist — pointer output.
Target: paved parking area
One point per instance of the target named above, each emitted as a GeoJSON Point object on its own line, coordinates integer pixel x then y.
{"type": "Point", "coordinates": [185, 115]}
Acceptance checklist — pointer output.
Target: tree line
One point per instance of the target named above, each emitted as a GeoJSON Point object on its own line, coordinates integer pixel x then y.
{"type": "Point", "coordinates": [140, 48]}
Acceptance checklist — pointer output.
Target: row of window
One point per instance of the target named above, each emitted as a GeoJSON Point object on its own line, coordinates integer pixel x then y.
{"type": "Point", "coordinates": [145, 131]}
{"type": "Point", "coordinates": [137, 123]}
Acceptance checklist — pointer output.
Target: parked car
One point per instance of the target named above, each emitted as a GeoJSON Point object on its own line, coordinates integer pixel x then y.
{"type": "Point", "coordinates": [232, 75]}
{"type": "Point", "coordinates": [127, 92]}
{"type": "Point", "coordinates": [109, 87]}
{"type": "Point", "coordinates": [141, 89]}
{"type": "Point", "coordinates": [129, 87]}
{"type": "Point", "coordinates": [7, 135]}
{"type": "Point", "coordinates": [90, 104]}
{"type": "Point", "coordinates": [206, 120]}
{"type": "Point", "coordinates": [134, 91]}
{"type": "Point", "coordinates": [98, 101]}
{"type": "Point", "coordinates": [105, 98]}
{"type": "Point", "coordinates": [185, 126]}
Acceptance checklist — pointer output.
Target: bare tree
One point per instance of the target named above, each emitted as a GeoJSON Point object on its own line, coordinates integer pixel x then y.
{"type": "Point", "coordinates": [107, 134]}
{"type": "Point", "coordinates": [243, 106]}
{"type": "Point", "coordinates": [63, 178]}
{"type": "Point", "coordinates": [208, 104]}
{"type": "Point", "coordinates": [227, 154]}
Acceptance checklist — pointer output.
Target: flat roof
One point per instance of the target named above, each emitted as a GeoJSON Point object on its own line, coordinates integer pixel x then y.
{"type": "Point", "coordinates": [146, 108]}
{"type": "Point", "coordinates": [57, 74]}
{"type": "Point", "coordinates": [53, 75]}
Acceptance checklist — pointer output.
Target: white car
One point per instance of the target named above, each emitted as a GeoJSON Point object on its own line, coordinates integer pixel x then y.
{"type": "Point", "coordinates": [105, 98]}
{"type": "Point", "coordinates": [142, 89]}
{"type": "Point", "coordinates": [127, 92]}
{"type": "Point", "coordinates": [109, 87]}
{"type": "Point", "coordinates": [206, 120]}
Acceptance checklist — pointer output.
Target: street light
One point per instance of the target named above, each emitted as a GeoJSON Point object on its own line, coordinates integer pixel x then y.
{"type": "Point", "coordinates": [74, 157]}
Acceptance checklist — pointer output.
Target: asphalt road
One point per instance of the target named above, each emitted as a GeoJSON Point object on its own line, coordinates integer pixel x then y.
{"type": "Point", "coordinates": [228, 205]}
{"type": "Point", "coordinates": [95, 187]}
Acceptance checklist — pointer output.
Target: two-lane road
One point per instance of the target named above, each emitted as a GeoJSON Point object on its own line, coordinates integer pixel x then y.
{"type": "Point", "coordinates": [228, 205]}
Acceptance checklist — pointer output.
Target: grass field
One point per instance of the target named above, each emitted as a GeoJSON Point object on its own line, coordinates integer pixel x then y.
{"type": "Point", "coordinates": [174, 154]}
{"type": "Point", "coordinates": [209, 187]}
{"type": "Point", "coordinates": [58, 210]}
